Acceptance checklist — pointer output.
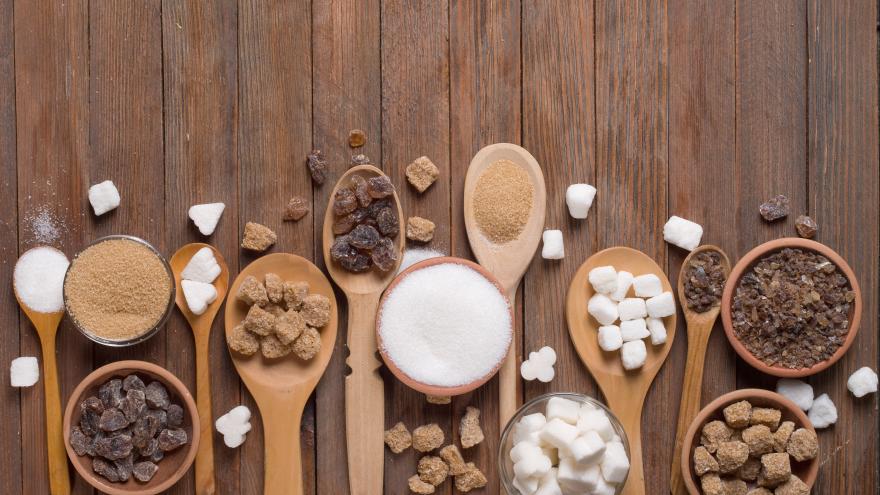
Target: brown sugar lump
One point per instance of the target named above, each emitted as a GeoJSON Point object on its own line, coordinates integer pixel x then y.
{"type": "Point", "coordinates": [257, 237]}
{"type": "Point", "coordinates": [453, 458]}
{"type": "Point", "coordinates": [470, 432]}
{"type": "Point", "coordinates": [274, 288]}
{"type": "Point", "coordinates": [427, 438]}
{"type": "Point", "coordinates": [275, 310]}
{"type": "Point", "coordinates": [775, 208]}
{"type": "Point", "coordinates": [733, 486]}
{"type": "Point", "coordinates": [398, 438]}
{"type": "Point", "coordinates": [296, 208]}
{"type": "Point", "coordinates": [714, 432]}
{"type": "Point", "coordinates": [259, 321]}
{"type": "Point", "coordinates": [295, 294]}
{"type": "Point", "coordinates": [759, 439]}
{"type": "Point", "coordinates": [422, 173]}
{"type": "Point", "coordinates": [438, 399]}
{"type": "Point", "coordinates": [470, 479]}
{"type": "Point", "coordinates": [317, 166]}
{"type": "Point", "coordinates": [416, 485]}
{"type": "Point", "coordinates": [750, 469]}
{"type": "Point", "coordinates": [419, 229]}
{"type": "Point", "coordinates": [433, 470]}
{"type": "Point", "coordinates": [766, 416]}
{"type": "Point", "coordinates": [775, 468]}
{"type": "Point", "coordinates": [704, 462]}
{"type": "Point", "coordinates": [316, 310]}
{"type": "Point", "coordinates": [759, 491]}
{"type": "Point", "coordinates": [308, 345]}
{"type": "Point", "coordinates": [252, 292]}
{"type": "Point", "coordinates": [794, 486]}
{"type": "Point", "coordinates": [806, 226]}
{"type": "Point", "coordinates": [289, 326]}
{"type": "Point", "coordinates": [731, 456]}
{"type": "Point", "coordinates": [711, 484]}
{"type": "Point", "coordinates": [782, 435]}
{"type": "Point", "coordinates": [272, 348]}
{"type": "Point", "coordinates": [803, 445]}
{"type": "Point", "coordinates": [737, 414]}
{"type": "Point", "coordinates": [242, 341]}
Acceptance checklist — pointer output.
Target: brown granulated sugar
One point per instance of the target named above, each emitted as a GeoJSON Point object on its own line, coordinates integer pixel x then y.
{"type": "Point", "coordinates": [502, 201]}
{"type": "Point", "coordinates": [117, 289]}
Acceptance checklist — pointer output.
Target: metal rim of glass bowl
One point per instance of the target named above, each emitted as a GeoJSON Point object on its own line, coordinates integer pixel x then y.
{"type": "Point", "coordinates": [159, 323]}
{"type": "Point", "coordinates": [505, 465]}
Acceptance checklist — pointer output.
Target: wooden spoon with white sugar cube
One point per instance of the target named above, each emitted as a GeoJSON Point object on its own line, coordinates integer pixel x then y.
{"type": "Point", "coordinates": [624, 390]}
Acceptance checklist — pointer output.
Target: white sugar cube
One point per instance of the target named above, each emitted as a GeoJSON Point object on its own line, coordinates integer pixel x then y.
{"type": "Point", "coordinates": [202, 267]}
{"type": "Point", "coordinates": [610, 338]}
{"type": "Point", "coordinates": [523, 450]}
{"type": "Point", "coordinates": [647, 285]}
{"type": "Point", "coordinates": [198, 295]}
{"type": "Point", "coordinates": [682, 233]}
{"type": "Point", "coordinates": [633, 330]}
{"type": "Point", "coordinates": [624, 282]}
{"type": "Point", "coordinates": [605, 488]}
{"type": "Point", "coordinates": [632, 308]}
{"type": "Point", "coordinates": [633, 354]}
{"type": "Point", "coordinates": [554, 248]}
{"type": "Point", "coordinates": [526, 486]}
{"type": "Point", "coordinates": [235, 422]}
{"type": "Point", "coordinates": [206, 216]}
{"type": "Point", "coordinates": [533, 422]}
{"type": "Point", "coordinates": [531, 465]}
{"type": "Point", "coordinates": [564, 409]}
{"type": "Point", "coordinates": [549, 485]}
{"type": "Point", "coordinates": [823, 413]}
{"type": "Point", "coordinates": [603, 309]}
{"type": "Point", "coordinates": [596, 420]}
{"type": "Point", "coordinates": [104, 197]}
{"type": "Point", "coordinates": [797, 391]}
{"type": "Point", "coordinates": [575, 478]}
{"type": "Point", "coordinates": [661, 306]}
{"type": "Point", "coordinates": [24, 372]}
{"type": "Point", "coordinates": [233, 441]}
{"type": "Point", "coordinates": [579, 198]}
{"type": "Point", "coordinates": [587, 448]}
{"type": "Point", "coordinates": [862, 382]}
{"type": "Point", "coordinates": [603, 279]}
{"type": "Point", "coordinates": [615, 463]}
{"type": "Point", "coordinates": [559, 434]}
{"type": "Point", "coordinates": [657, 330]}
{"type": "Point", "coordinates": [240, 413]}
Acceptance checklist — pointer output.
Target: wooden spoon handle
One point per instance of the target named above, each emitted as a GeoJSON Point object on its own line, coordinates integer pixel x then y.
{"type": "Point", "coordinates": [508, 375]}
{"type": "Point", "coordinates": [205, 455]}
{"type": "Point", "coordinates": [628, 409]}
{"type": "Point", "coordinates": [364, 399]}
{"type": "Point", "coordinates": [281, 423]}
{"type": "Point", "coordinates": [59, 479]}
{"type": "Point", "coordinates": [691, 390]}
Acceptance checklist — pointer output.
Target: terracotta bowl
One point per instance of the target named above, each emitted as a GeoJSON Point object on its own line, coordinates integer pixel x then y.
{"type": "Point", "coordinates": [406, 379]}
{"type": "Point", "coordinates": [746, 263]}
{"type": "Point", "coordinates": [806, 470]}
{"type": "Point", "coordinates": [173, 466]}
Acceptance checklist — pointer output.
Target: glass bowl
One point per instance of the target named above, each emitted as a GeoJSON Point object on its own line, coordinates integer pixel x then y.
{"type": "Point", "coordinates": [539, 405]}
{"type": "Point", "coordinates": [143, 336]}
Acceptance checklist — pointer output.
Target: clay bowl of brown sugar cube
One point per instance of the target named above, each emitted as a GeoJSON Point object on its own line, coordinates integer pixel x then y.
{"type": "Point", "coordinates": [166, 420]}
{"type": "Point", "coordinates": [791, 307]}
{"type": "Point", "coordinates": [770, 432]}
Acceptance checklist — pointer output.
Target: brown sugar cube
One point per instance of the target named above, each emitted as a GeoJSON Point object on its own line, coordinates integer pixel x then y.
{"type": "Point", "coordinates": [750, 469]}
{"type": "Point", "coordinates": [704, 462]}
{"type": "Point", "coordinates": [731, 456]}
{"type": "Point", "coordinates": [296, 208]}
{"type": "Point", "coordinates": [272, 348]}
{"type": "Point", "coordinates": [242, 341]}
{"type": "Point", "coordinates": [316, 310]}
{"type": "Point", "coordinates": [289, 326]}
{"type": "Point", "coordinates": [737, 414]}
{"type": "Point", "coordinates": [433, 470]}
{"type": "Point", "coordinates": [781, 436]}
{"type": "Point", "coordinates": [765, 416]}
{"type": "Point", "coordinates": [470, 479]}
{"type": "Point", "coordinates": [356, 138]}
{"type": "Point", "coordinates": [427, 438]}
{"type": "Point", "coordinates": [419, 229]}
{"type": "Point", "coordinates": [295, 294]}
{"type": "Point", "coordinates": [775, 468]}
{"type": "Point", "coordinates": [470, 432]}
{"type": "Point", "coordinates": [759, 491]}
{"type": "Point", "coordinates": [259, 321]}
{"type": "Point", "coordinates": [714, 432]}
{"type": "Point", "coordinates": [711, 484]}
{"type": "Point", "coordinates": [416, 485]}
{"type": "Point", "coordinates": [308, 344]}
{"type": "Point", "coordinates": [257, 237]}
{"type": "Point", "coordinates": [734, 486]}
{"type": "Point", "coordinates": [274, 288]}
{"type": "Point", "coordinates": [251, 292]}
{"type": "Point", "coordinates": [422, 173]}
{"type": "Point", "coordinates": [453, 458]}
{"type": "Point", "coordinates": [803, 445]}
{"type": "Point", "coordinates": [438, 399]}
{"type": "Point", "coordinates": [759, 439]}
{"type": "Point", "coordinates": [398, 438]}
{"type": "Point", "coordinates": [794, 486]}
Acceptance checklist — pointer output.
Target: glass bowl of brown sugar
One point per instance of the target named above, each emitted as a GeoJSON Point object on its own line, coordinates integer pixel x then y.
{"type": "Point", "coordinates": [119, 290]}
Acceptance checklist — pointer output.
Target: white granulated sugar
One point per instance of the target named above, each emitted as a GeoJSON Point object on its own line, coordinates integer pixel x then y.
{"type": "Point", "coordinates": [417, 255]}
{"type": "Point", "coordinates": [39, 279]}
{"type": "Point", "coordinates": [445, 325]}
{"type": "Point", "coordinates": [43, 225]}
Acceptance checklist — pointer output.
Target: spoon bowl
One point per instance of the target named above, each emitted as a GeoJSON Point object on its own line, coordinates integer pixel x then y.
{"type": "Point", "coordinates": [625, 391]}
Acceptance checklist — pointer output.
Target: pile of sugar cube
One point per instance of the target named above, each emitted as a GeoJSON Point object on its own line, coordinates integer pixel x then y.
{"type": "Point", "coordinates": [573, 448]}
{"type": "Point", "coordinates": [198, 280]}
{"type": "Point", "coordinates": [640, 316]}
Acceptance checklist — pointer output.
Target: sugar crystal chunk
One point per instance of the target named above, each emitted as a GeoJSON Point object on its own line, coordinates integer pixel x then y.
{"type": "Point", "coordinates": [603, 309]}
{"type": "Point", "coordinates": [862, 382]}
{"type": "Point", "coordinates": [823, 413]}
{"type": "Point", "coordinates": [554, 247]}
{"type": "Point", "coordinates": [104, 197]}
{"type": "Point", "coordinates": [579, 198]}
{"type": "Point", "coordinates": [198, 295]}
{"type": "Point", "coordinates": [632, 308]}
{"type": "Point", "coordinates": [24, 371]}
{"type": "Point", "coordinates": [797, 391]}
{"type": "Point", "coordinates": [648, 285]}
{"type": "Point", "coordinates": [633, 330]}
{"type": "Point", "coordinates": [610, 338]}
{"type": "Point", "coordinates": [633, 354]}
{"type": "Point", "coordinates": [206, 216]}
{"type": "Point", "coordinates": [657, 330]}
{"type": "Point", "coordinates": [603, 279]}
{"type": "Point", "coordinates": [661, 306]}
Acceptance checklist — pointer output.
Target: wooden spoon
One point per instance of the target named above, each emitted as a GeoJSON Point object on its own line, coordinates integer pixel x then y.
{"type": "Point", "coordinates": [508, 262]}
{"type": "Point", "coordinates": [699, 327]}
{"type": "Point", "coordinates": [201, 328]}
{"type": "Point", "coordinates": [364, 389]}
{"type": "Point", "coordinates": [625, 391]}
{"type": "Point", "coordinates": [281, 387]}
{"type": "Point", "coordinates": [46, 325]}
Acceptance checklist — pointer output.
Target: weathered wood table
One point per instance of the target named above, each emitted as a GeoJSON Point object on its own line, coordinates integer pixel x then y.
{"type": "Point", "coordinates": [700, 109]}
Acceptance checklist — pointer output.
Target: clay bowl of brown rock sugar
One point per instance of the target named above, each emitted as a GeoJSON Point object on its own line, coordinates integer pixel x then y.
{"type": "Point", "coordinates": [791, 307]}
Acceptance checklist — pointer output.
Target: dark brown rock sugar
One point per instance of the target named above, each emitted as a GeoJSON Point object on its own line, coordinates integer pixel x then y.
{"type": "Point", "coordinates": [502, 201]}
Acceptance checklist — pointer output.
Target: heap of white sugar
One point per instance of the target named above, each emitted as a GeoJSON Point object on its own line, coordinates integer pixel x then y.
{"type": "Point", "coordinates": [417, 255]}
{"type": "Point", "coordinates": [39, 279]}
{"type": "Point", "coordinates": [445, 325]}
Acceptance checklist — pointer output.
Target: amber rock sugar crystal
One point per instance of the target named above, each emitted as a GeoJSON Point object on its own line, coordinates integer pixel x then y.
{"type": "Point", "coordinates": [705, 281]}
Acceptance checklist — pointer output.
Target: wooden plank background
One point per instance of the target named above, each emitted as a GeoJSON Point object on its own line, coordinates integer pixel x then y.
{"type": "Point", "coordinates": [695, 108]}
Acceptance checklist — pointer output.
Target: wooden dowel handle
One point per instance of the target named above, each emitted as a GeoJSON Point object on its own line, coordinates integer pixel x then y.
{"type": "Point", "coordinates": [59, 479]}
{"type": "Point", "coordinates": [508, 375]}
{"type": "Point", "coordinates": [283, 469]}
{"type": "Point", "coordinates": [205, 484]}
{"type": "Point", "coordinates": [691, 391]}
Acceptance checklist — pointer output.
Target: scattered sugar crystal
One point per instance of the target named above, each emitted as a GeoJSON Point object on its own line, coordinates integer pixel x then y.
{"type": "Point", "coordinates": [823, 413]}
{"type": "Point", "coordinates": [206, 216]}
{"type": "Point", "coordinates": [24, 372]}
{"type": "Point", "coordinates": [661, 306]}
{"type": "Point", "coordinates": [103, 197]}
{"type": "Point", "coordinates": [579, 198]}
{"type": "Point", "coordinates": [632, 308]}
{"type": "Point", "coordinates": [862, 382]}
{"type": "Point", "coordinates": [39, 279]}
{"type": "Point", "coordinates": [624, 282]}
{"type": "Point", "coordinates": [610, 338]}
{"type": "Point", "coordinates": [603, 309]}
{"type": "Point", "coordinates": [682, 233]}
{"type": "Point", "coordinates": [198, 295]}
{"type": "Point", "coordinates": [603, 279]}
{"type": "Point", "coordinates": [647, 285]}
{"type": "Point", "coordinates": [797, 391]}
{"type": "Point", "coordinates": [202, 267]}
{"type": "Point", "coordinates": [631, 330]}
{"type": "Point", "coordinates": [633, 354]}
{"type": "Point", "coordinates": [657, 330]}
{"type": "Point", "coordinates": [554, 248]}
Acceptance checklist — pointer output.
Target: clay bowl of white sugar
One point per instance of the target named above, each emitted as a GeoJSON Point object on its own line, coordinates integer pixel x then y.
{"type": "Point", "coordinates": [444, 326]}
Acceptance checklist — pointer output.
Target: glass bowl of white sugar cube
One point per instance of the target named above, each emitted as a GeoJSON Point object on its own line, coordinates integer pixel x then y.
{"type": "Point", "coordinates": [563, 442]}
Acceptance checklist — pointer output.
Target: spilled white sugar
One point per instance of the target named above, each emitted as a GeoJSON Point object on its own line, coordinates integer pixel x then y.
{"type": "Point", "coordinates": [445, 325]}
{"type": "Point", "coordinates": [39, 279]}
